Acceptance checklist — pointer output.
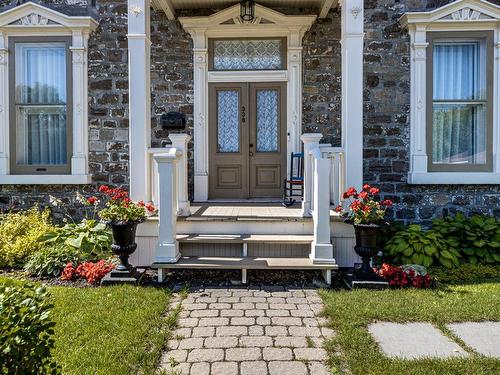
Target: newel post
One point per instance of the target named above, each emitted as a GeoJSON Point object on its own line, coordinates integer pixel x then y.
{"type": "Point", "coordinates": [311, 141]}
{"type": "Point", "coordinates": [180, 143]}
{"type": "Point", "coordinates": [167, 248]}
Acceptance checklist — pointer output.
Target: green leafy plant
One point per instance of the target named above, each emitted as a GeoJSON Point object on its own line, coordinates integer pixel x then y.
{"type": "Point", "coordinates": [418, 246]}
{"type": "Point", "coordinates": [26, 341]}
{"type": "Point", "coordinates": [477, 237]}
{"type": "Point", "coordinates": [466, 272]}
{"type": "Point", "coordinates": [20, 233]}
{"type": "Point", "coordinates": [51, 261]}
{"type": "Point", "coordinates": [90, 238]}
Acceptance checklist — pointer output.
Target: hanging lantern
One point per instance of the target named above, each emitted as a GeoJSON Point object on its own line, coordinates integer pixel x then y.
{"type": "Point", "coordinates": [247, 10]}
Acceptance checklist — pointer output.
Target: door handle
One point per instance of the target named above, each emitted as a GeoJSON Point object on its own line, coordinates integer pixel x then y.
{"type": "Point", "coordinates": [251, 145]}
{"type": "Point", "coordinates": [250, 153]}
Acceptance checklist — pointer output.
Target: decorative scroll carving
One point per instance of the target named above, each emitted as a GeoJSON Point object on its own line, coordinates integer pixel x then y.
{"type": "Point", "coordinates": [355, 11]}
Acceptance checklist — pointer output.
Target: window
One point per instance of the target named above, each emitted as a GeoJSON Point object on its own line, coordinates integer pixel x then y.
{"type": "Point", "coordinates": [247, 54]}
{"type": "Point", "coordinates": [460, 91]}
{"type": "Point", "coordinates": [40, 106]}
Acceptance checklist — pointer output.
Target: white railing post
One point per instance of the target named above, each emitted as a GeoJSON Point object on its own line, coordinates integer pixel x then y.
{"type": "Point", "coordinates": [180, 143]}
{"type": "Point", "coordinates": [311, 141]}
{"type": "Point", "coordinates": [167, 247]}
{"type": "Point", "coordinates": [321, 248]}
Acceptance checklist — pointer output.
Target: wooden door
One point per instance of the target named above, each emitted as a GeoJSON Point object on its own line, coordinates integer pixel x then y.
{"type": "Point", "coordinates": [247, 140]}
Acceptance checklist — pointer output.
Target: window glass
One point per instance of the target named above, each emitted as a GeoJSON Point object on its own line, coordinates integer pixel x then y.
{"type": "Point", "coordinates": [267, 120]}
{"type": "Point", "coordinates": [228, 124]}
{"type": "Point", "coordinates": [40, 104]}
{"type": "Point", "coordinates": [459, 118]}
{"type": "Point", "coordinates": [247, 54]}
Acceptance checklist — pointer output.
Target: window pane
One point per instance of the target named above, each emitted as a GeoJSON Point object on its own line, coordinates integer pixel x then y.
{"type": "Point", "coordinates": [457, 71]}
{"type": "Point", "coordinates": [228, 125]}
{"type": "Point", "coordinates": [41, 135]}
{"type": "Point", "coordinates": [459, 134]}
{"type": "Point", "coordinates": [267, 120]}
{"type": "Point", "coordinates": [247, 54]}
{"type": "Point", "coordinates": [41, 73]}
{"type": "Point", "coordinates": [41, 87]}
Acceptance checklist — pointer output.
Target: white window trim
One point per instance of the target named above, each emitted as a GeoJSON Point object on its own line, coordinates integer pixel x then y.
{"type": "Point", "coordinates": [461, 15]}
{"type": "Point", "coordinates": [32, 19]}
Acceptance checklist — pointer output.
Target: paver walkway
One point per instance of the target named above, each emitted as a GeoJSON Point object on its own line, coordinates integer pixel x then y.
{"type": "Point", "coordinates": [249, 332]}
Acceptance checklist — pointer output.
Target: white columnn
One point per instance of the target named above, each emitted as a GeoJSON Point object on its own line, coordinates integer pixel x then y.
{"type": "Point", "coordinates": [4, 105]}
{"type": "Point", "coordinates": [139, 53]}
{"type": "Point", "coordinates": [311, 141]}
{"type": "Point", "coordinates": [352, 89]}
{"type": "Point", "coordinates": [180, 143]}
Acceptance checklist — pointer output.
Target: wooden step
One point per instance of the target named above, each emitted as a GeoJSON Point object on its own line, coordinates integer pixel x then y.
{"type": "Point", "coordinates": [245, 238]}
{"type": "Point", "coordinates": [245, 263]}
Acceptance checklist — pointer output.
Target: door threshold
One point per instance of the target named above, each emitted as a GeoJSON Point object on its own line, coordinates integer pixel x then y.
{"type": "Point", "coordinates": [250, 200]}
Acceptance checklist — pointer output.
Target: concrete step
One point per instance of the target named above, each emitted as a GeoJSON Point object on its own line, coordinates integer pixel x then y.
{"type": "Point", "coordinates": [246, 238]}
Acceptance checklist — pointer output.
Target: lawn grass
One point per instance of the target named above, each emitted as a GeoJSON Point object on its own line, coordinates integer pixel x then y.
{"type": "Point", "coordinates": [109, 330]}
{"type": "Point", "coordinates": [351, 312]}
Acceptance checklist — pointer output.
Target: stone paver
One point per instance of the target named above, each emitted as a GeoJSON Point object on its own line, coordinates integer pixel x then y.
{"type": "Point", "coordinates": [483, 337]}
{"type": "Point", "coordinates": [413, 341]}
{"type": "Point", "coordinates": [248, 332]}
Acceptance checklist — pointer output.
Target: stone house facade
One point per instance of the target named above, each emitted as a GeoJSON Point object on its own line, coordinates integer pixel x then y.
{"type": "Point", "coordinates": [386, 101]}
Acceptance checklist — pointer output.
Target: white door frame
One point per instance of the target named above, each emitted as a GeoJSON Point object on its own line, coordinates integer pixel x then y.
{"type": "Point", "coordinates": [216, 26]}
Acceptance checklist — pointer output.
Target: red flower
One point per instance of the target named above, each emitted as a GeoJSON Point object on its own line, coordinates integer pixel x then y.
{"type": "Point", "coordinates": [387, 203]}
{"type": "Point", "coordinates": [127, 200]}
{"type": "Point", "coordinates": [338, 208]}
{"type": "Point", "coordinates": [366, 187]}
{"type": "Point", "coordinates": [103, 189]}
{"type": "Point", "coordinates": [150, 207]}
{"type": "Point", "coordinates": [363, 195]}
{"type": "Point", "coordinates": [92, 200]}
{"type": "Point", "coordinates": [351, 192]}
{"type": "Point", "coordinates": [374, 190]}
{"type": "Point", "coordinates": [355, 206]}
{"type": "Point", "coordinates": [141, 204]}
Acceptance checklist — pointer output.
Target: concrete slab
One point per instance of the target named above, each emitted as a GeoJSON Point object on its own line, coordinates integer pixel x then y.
{"type": "Point", "coordinates": [414, 341]}
{"type": "Point", "coordinates": [483, 337]}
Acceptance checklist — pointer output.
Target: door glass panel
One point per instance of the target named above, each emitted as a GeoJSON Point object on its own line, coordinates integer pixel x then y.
{"type": "Point", "coordinates": [228, 129]}
{"type": "Point", "coordinates": [267, 120]}
{"type": "Point", "coordinates": [247, 54]}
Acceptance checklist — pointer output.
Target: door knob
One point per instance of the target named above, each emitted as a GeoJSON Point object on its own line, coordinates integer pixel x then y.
{"type": "Point", "coordinates": [251, 153]}
{"type": "Point", "coordinates": [251, 145]}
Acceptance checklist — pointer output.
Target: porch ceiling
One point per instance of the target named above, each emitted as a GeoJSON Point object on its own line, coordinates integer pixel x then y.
{"type": "Point", "coordinates": [171, 6]}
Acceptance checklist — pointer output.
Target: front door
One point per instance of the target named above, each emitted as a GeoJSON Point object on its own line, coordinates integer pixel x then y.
{"type": "Point", "coordinates": [247, 132]}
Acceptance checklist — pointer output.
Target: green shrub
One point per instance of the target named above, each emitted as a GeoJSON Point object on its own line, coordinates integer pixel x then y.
{"type": "Point", "coordinates": [19, 235]}
{"type": "Point", "coordinates": [465, 272]}
{"type": "Point", "coordinates": [417, 246]}
{"type": "Point", "coordinates": [51, 261]}
{"type": "Point", "coordinates": [90, 238]}
{"type": "Point", "coordinates": [26, 340]}
{"type": "Point", "coordinates": [476, 238]}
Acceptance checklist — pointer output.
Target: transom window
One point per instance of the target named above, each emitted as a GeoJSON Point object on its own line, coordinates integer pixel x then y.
{"type": "Point", "coordinates": [459, 122]}
{"type": "Point", "coordinates": [40, 121]}
{"type": "Point", "coordinates": [247, 54]}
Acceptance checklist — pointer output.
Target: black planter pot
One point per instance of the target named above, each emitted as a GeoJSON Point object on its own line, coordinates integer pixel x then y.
{"type": "Point", "coordinates": [366, 247]}
{"type": "Point", "coordinates": [123, 242]}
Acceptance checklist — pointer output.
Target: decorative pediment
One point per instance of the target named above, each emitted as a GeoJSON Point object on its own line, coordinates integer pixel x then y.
{"type": "Point", "coordinates": [458, 11]}
{"type": "Point", "coordinates": [35, 15]}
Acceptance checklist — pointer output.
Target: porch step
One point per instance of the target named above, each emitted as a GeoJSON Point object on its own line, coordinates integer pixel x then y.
{"type": "Point", "coordinates": [256, 263]}
{"type": "Point", "coordinates": [245, 238]}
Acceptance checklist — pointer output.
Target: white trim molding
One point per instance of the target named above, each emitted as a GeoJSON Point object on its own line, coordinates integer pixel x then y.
{"type": "Point", "coordinates": [461, 15]}
{"type": "Point", "coordinates": [216, 26]}
{"type": "Point", "coordinates": [31, 19]}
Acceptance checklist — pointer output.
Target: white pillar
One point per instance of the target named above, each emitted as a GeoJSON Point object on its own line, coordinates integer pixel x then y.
{"type": "Point", "coordinates": [167, 247]}
{"type": "Point", "coordinates": [4, 106]}
{"type": "Point", "coordinates": [294, 91]}
{"type": "Point", "coordinates": [311, 141]}
{"type": "Point", "coordinates": [321, 248]}
{"type": "Point", "coordinates": [139, 66]}
{"type": "Point", "coordinates": [180, 143]}
{"type": "Point", "coordinates": [352, 90]}
{"type": "Point", "coordinates": [79, 164]}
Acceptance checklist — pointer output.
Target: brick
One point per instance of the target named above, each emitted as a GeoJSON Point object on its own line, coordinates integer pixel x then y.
{"type": "Point", "coordinates": [261, 293]}
{"type": "Point", "coordinates": [203, 331]}
{"type": "Point", "coordinates": [282, 306]}
{"type": "Point", "coordinates": [194, 306]}
{"type": "Point", "coordinates": [262, 306]}
{"type": "Point", "coordinates": [254, 368]}
{"type": "Point", "coordinates": [243, 354]}
{"type": "Point", "coordinates": [182, 332]}
{"type": "Point", "coordinates": [253, 299]}
{"type": "Point", "coordinates": [221, 342]}
{"type": "Point", "coordinates": [206, 355]}
{"type": "Point", "coordinates": [304, 331]}
{"type": "Point", "coordinates": [296, 300]}
{"type": "Point", "coordinates": [255, 312]}
{"type": "Point", "coordinates": [200, 368]}
{"type": "Point", "coordinates": [301, 313]}
{"type": "Point", "coordinates": [327, 332]}
{"type": "Point", "coordinates": [310, 322]}
{"type": "Point", "coordinates": [231, 331]}
{"type": "Point", "coordinates": [243, 306]}
{"type": "Point", "coordinates": [225, 368]}
{"type": "Point", "coordinates": [317, 368]}
{"type": "Point", "coordinates": [287, 367]}
{"type": "Point", "coordinates": [231, 312]}
{"type": "Point", "coordinates": [242, 321]}
{"type": "Point", "coordinates": [255, 330]}
{"type": "Point", "coordinates": [281, 294]}
{"type": "Point", "coordinates": [255, 341]}
{"type": "Point", "coordinates": [188, 322]}
{"type": "Point", "coordinates": [177, 355]}
{"type": "Point", "coordinates": [191, 343]}
{"type": "Point", "coordinates": [286, 321]}
{"type": "Point", "coordinates": [172, 344]}
{"type": "Point", "coordinates": [277, 354]}
{"type": "Point", "coordinates": [263, 321]}
{"type": "Point", "coordinates": [276, 300]}
{"type": "Point", "coordinates": [278, 312]}
{"type": "Point", "coordinates": [204, 313]}
{"type": "Point", "coordinates": [229, 299]}
{"type": "Point", "coordinates": [310, 354]}
{"type": "Point", "coordinates": [219, 306]}
{"type": "Point", "coordinates": [205, 300]}
{"type": "Point", "coordinates": [276, 331]}
{"type": "Point", "coordinates": [210, 322]}
{"type": "Point", "coordinates": [290, 342]}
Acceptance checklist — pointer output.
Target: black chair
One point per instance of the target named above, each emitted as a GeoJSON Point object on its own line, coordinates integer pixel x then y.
{"type": "Point", "coordinates": [294, 187]}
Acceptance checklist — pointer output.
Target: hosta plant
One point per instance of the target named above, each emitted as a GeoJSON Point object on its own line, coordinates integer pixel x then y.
{"type": "Point", "coordinates": [417, 246]}
{"type": "Point", "coordinates": [50, 261]}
